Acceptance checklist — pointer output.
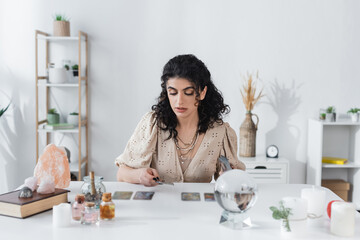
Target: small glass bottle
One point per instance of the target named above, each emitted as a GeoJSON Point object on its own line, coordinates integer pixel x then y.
{"type": "Point", "coordinates": [90, 215]}
{"type": "Point", "coordinates": [78, 206]}
{"type": "Point", "coordinates": [107, 207]}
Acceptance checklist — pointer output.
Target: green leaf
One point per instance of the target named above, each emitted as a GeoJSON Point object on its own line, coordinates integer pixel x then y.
{"type": "Point", "coordinates": [272, 208]}
{"type": "Point", "coordinates": [276, 215]}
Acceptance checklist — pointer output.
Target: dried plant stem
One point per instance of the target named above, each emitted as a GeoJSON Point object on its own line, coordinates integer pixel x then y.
{"type": "Point", "coordinates": [249, 92]}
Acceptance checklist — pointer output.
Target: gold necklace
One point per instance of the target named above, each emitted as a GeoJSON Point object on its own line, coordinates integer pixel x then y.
{"type": "Point", "coordinates": [185, 156]}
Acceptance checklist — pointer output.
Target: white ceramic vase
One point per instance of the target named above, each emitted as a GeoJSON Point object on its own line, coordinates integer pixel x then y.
{"type": "Point", "coordinates": [354, 117]}
{"type": "Point", "coordinates": [57, 75]}
{"type": "Point", "coordinates": [73, 119]}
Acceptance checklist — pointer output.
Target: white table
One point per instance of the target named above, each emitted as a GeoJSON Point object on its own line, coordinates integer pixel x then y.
{"type": "Point", "coordinates": [166, 216]}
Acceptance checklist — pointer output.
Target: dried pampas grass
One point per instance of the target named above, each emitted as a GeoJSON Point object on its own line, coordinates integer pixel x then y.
{"type": "Point", "coordinates": [249, 92]}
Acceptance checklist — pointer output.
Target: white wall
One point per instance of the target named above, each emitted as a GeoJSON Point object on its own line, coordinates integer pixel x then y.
{"type": "Point", "coordinates": [306, 51]}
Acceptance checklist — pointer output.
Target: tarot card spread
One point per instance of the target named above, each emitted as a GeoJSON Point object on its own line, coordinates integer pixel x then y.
{"type": "Point", "coordinates": [190, 196]}
{"type": "Point", "coordinates": [143, 195]}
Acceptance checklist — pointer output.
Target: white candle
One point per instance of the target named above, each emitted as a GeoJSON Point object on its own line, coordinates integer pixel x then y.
{"type": "Point", "coordinates": [342, 219]}
{"type": "Point", "coordinates": [316, 201]}
{"type": "Point", "coordinates": [298, 208]}
{"type": "Point", "coordinates": [62, 215]}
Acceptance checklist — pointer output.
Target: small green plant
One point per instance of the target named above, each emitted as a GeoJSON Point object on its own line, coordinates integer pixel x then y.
{"type": "Point", "coordinates": [61, 17]}
{"type": "Point", "coordinates": [354, 110]}
{"type": "Point", "coordinates": [67, 67]}
{"type": "Point", "coordinates": [322, 116]}
{"type": "Point", "coordinates": [52, 111]}
{"type": "Point", "coordinates": [330, 109]}
{"type": "Point", "coordinates": [75, 67]}
{"type": "Point", "coordinates": [74, 113]}
{"type": "Point", "coordinates": [3, 110]}
{"type": "Point", "coordinates": [282, 213]}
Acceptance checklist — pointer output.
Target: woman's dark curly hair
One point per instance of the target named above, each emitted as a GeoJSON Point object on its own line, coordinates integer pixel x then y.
{"type": "Point", "coordinates": [211, 109]}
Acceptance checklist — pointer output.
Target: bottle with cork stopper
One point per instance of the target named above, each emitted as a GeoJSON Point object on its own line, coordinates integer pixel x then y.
{"type": "Point", "coordinates": [78, 206]}
{"type": "Point", "coordinates": [90, 214]}
{"type": "Point", "coordinates": [107, 207]}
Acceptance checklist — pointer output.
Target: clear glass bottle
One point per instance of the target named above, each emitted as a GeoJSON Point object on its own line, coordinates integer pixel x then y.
{"type": "Point", "coordinates": [78, 206]}
{"type": "Point", "coordinates": [90, 215]}
{"type": "Point", "coordinates": [107, 207]}
{"type": "Point", "coordinates": [93, 188]}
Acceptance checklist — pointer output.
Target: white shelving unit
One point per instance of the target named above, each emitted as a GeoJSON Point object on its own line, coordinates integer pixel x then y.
{"type": "Point", "coordinates": [267, 170]}
{"type": "Point", "coordinates": [334, 139]}
{"type": "Point", "coordinates": [81, 84]}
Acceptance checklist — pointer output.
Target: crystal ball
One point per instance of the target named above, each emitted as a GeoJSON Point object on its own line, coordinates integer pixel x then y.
{"type": "Point", "coordinates": [235, 191]}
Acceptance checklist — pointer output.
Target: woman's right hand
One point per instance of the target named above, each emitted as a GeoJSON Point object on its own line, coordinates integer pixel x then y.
{"type": "Point", "coordinates": [147, 175]}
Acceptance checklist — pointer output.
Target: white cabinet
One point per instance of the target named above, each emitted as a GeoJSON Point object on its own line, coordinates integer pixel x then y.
{"type": "Point", "coordinates": [267, 170]}
{"type": "Point", "coordinates": [75, 92]}
{"type": "Point", "coordinates": [334, 139]}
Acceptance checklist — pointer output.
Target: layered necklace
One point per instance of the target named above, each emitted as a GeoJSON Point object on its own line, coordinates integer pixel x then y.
{"type": "Point", "coordinates": [185, 152]}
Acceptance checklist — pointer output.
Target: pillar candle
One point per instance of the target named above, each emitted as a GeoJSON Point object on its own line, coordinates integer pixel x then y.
{"type": "Point", "coordinates": [62, 215]}
{"type": "Point", "coordinates": [316, 201]}
{"type": "Point", "coordinates": [342, 219]}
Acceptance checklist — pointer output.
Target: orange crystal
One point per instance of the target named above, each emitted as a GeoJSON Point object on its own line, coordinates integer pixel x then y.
{"type": "Point", "coordinates": [53, 164]}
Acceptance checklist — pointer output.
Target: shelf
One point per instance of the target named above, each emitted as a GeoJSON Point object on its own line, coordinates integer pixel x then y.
{"type": "Point", "coordinates": [53, 38]}
{"type": "Point", "coordinates": [347, 165]}
{"type": "Point", "coordinates": [73, 130]}
{"type": "Point", "coordinates": [61, 84]}
{"type": "Point", "coordinates": [340, 122]}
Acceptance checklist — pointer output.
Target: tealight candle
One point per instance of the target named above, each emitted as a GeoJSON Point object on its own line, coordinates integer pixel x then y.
{"type": "Point", "coordinates": [316, 201]}
{"type": "Point", "coordinates": [62, 215]}
{"type": "Point", "coordinates": [342, 219]}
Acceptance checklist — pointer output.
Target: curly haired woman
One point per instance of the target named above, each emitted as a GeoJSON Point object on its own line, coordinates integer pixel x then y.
{"type": "Point", "coordinates": [181, 139]}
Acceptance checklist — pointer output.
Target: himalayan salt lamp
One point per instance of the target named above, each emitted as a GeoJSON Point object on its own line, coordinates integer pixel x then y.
{"type": "Point", "coordinates": [53, 164]}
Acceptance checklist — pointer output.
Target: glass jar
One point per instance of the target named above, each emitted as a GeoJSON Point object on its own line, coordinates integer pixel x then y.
{"type": "Point", "coordinates": [99, 188]}
{"type": "Point", "coordinates": [107, 207]}
{"type": "Point", "coordinates": [90, 215]}
{"type": "Point", "coordinates": [78, 206]}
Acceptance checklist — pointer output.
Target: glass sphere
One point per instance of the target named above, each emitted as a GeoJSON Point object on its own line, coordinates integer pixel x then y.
{"type": "Point", "coordinates": [235, 191]}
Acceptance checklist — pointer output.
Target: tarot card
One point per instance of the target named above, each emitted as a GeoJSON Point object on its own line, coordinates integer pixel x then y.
{"type": "Point", "coordinates": [144, 195]}
{"type": "Point", "coordinates": [190, 196]}
{"type": "Point", "coordinates": [209, 197]}
{"type": "Point", "coordinates": [122, 195]}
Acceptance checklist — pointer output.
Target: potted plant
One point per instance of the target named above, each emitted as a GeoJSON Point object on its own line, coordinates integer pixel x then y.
{"type": "Point", "coordinates": [282, 213]}
{"type": "Point", "coordinates": [53, 117]}
{"type": "Point", "coordinates": [73, 118]}
{"type": "Point", "coordinates": [61, 25]}
{"type": "Point", "coordinates": [75, 69]}
{"type": "Point", "coordinates": [354, 114]}
{"type": "Point", "coordinates": [330, 114]}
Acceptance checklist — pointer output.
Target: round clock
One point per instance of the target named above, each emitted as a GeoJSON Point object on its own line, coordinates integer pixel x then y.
{"type": "Point", "coordinates": [272, 151]}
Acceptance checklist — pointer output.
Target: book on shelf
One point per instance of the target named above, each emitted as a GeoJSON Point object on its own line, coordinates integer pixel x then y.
{"type": "Point", "coordinates": [58, 126]}
{"type": "Point", "coordinates": [13, 206]}
{"type": "Point", "coordinates": [334, 160]}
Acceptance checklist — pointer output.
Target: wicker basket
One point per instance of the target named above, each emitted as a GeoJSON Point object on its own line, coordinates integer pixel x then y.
{"type": "Point", "coordinates": [248, 136]}
{"type": "Point", "coordinates": [62, 28]}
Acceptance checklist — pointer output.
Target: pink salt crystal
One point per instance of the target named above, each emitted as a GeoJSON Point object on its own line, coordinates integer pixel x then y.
{"type": "Point", "coordinates": [46, 186]}
{"type": "Point", "coordinates": [31, 182]}
{"type": "Point", "coordinates": [53, 164]}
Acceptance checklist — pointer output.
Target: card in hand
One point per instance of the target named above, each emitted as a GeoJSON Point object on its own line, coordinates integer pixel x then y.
{"type": "Point", "coordinates": [144, 195]}
{"type": "Point", "coordinates": [190, 196]}
{"type": "Point", "coordinates": [122, 195]}
{"type": "Point", "coordinates": [209, 197]}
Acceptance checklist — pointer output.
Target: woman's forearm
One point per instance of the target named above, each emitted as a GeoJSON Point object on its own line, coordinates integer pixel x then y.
{"type": "Point", "coordinates": [127, 174]}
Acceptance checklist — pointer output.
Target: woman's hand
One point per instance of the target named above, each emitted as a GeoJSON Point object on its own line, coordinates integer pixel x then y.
{"type": "Point", "coordinates": [147, 175]}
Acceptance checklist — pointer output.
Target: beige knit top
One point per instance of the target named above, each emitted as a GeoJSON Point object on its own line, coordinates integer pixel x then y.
{"type": "Point", "coordinates": [148, 147]}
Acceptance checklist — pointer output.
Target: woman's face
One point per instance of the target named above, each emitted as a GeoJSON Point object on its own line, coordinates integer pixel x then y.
{"type": "Point", "coordinates": [182, 96]}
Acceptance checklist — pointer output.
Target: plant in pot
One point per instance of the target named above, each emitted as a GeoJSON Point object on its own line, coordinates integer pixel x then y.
{"type": "Point", "coordinates": [53, 117]}
{"type": "Point", "coordinates": [354, 114]}
{"type": "Point", "coordinates": [330, 114]}
{"type": "Point", "coordinates": [73, 118]}
{"type": "Point", "coordinates": [75, 69]}
{"type": "Point", "coordinates": [61, 25]}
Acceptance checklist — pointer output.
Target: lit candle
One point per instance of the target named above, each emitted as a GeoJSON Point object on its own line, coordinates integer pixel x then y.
{"type": "Point", "coordinates": [342, 219]}
{"type": "Point", "coordinates": [316, 201]}
{"type": "Point", "coordinates": [62, 215]}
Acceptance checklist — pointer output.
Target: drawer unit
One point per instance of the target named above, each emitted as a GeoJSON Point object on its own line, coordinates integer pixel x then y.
{"type": "Point", "coordinates": [267, 170]}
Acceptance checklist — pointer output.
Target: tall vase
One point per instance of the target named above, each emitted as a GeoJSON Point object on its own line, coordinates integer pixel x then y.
{"type": "Point", "coordinates": [248, 136]}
